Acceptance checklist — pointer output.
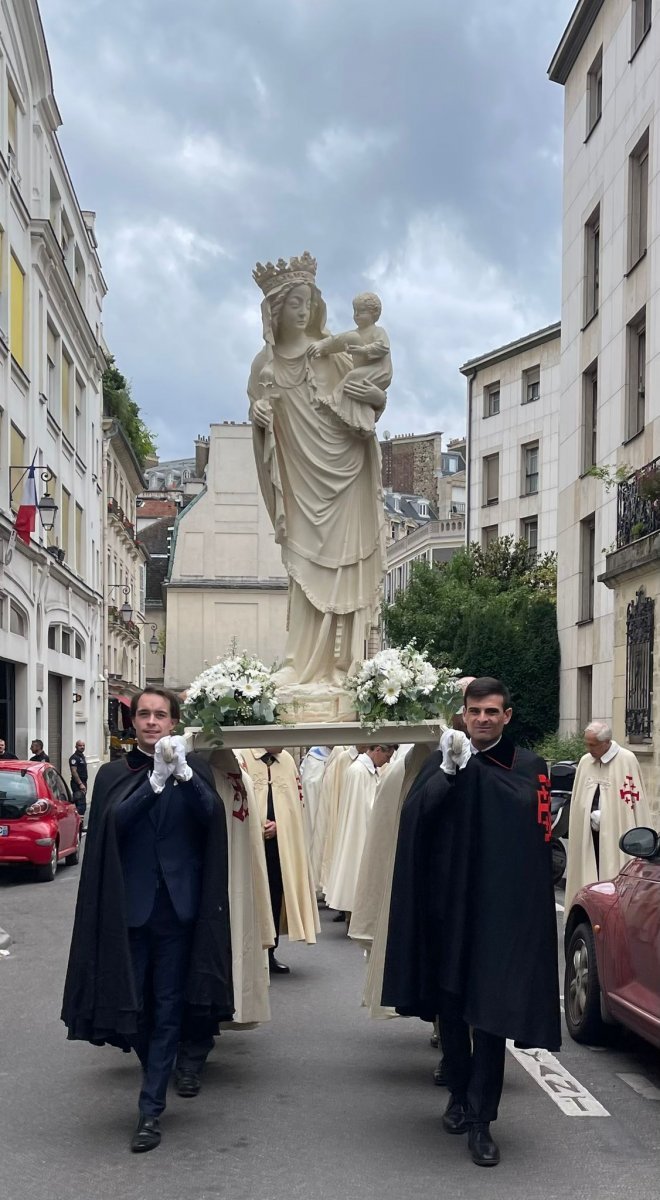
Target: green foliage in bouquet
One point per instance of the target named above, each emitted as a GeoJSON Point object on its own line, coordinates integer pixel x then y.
{"type": "Point", "coordinates": [237, 690]}
{"type": "Point", "coordinates": [400, 684]}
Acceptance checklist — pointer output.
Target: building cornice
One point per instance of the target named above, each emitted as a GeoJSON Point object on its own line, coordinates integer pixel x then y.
{"type": "Point", "coordinates": [33, 45]}
{"type": "Point", "coordinates": [50, 262]}
{"type": "Point", "coordinates": [116, 435]}
{"type": "Point", "coordinates": [228, 583]}
{"type": "Point", "coordinates": [511, 349]}
{"type": "Point", "coordinates": [573, 39]}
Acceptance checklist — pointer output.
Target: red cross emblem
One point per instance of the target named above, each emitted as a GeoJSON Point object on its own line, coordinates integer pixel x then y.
{"type": "Point", "coordinates": [240, 797]}
{"type": "Point", "coordinates": [629, 792]}
{"type": "Point", "coordinates": [544, 815]}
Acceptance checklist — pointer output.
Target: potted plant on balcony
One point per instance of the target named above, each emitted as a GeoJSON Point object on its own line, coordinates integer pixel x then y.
{"type": "Point", "coordinates": [648, 485]}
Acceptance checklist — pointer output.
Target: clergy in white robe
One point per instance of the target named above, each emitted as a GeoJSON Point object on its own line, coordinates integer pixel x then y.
{"type": "Point", "coordinates": [277, 790]}
{"type": "Point", "coordinates": [252, 931]}
{"type": "Point", "coordinates": [312, 770]}
{"type": "Point", "coordinates": [355, 805]}
{"type": "Point", "coordinates": [325, 829]}
{"type": "Point", "coordinates": [380, 894]}
{"type": "Point", "coordinates": [608, 799]}
{"type": "Point", "coordinates": [380, 845]}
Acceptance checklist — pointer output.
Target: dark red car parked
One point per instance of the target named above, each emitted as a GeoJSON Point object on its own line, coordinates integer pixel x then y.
{"type": "Point", "coordinates": [612, 943]}
{"type": "Point", "coordinates": [39, 823]}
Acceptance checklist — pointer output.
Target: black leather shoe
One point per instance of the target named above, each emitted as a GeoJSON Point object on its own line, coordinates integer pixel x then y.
{"type": "Point", "coordinates": [277, 968]}
{"type": "Point", "coordinates": [339, 918]}
{"type": "Point", "coordinates": [146, 1136]}
{"type": "Point", "coordinates": [440, 1076]}
{"type": "Point", "coordinates": [187, 1083]}
{"type": "Point", "coordinates": [453, 1119]}
{"type": "Point", "coordinates": [485, 1152]}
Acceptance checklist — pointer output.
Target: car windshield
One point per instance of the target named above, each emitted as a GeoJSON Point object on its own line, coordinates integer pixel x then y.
{"type": "Point", "coordinates": [17, 792]}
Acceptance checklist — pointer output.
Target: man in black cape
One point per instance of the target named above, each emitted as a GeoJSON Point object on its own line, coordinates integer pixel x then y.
{"type": "Point", "coordinates": [151, 948]}
{"type": "Point", "coordinates": [477, 941]}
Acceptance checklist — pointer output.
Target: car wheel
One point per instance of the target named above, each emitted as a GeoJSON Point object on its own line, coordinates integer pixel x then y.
{"type": "Point", "coordinates": [47, 873]}
{"type": "Point", "coordinates": [582, 987]}
{"type": "Point", "coordinates": [558, 860]}
{"type": "Point", "coordinates": [73, 858]}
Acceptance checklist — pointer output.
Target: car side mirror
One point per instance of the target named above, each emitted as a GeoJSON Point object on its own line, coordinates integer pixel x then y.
{"type": "Point", "coordinates": [640, 843]}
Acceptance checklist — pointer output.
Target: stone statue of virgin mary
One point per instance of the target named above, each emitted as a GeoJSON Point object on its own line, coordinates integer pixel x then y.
{"type": "Point", "coordinates": [320, 478]}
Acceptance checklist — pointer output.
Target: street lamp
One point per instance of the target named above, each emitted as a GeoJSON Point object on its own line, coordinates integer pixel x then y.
{"type": "Point", "coordinates": [126, 610]}
{"type": "Point", "coordinates": [47, 506]}
{"type": "Point", "coordinates": [153, 640]}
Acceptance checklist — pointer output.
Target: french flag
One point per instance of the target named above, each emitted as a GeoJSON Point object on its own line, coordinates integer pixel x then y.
{"type": "Point", "coordinates": [26, 517]}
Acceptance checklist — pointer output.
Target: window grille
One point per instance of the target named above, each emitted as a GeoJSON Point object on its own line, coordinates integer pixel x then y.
{"type": "Point", "coordinates": [639, 666]}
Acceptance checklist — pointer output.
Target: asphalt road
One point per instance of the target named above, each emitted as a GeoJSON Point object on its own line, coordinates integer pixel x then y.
{"type": "Point", "coordinates": [322, 1104]}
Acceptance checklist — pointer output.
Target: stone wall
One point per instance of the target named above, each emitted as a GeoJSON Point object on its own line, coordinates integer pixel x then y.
{"type": "Point", "coordinates": [411, 465]}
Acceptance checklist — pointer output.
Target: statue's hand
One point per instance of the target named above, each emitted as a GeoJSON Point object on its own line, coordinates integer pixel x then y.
{"type": "Point", "coordinates": [365, 392]}
{"type": "Point", "coordinates": [262, 413]}
{"type": "Point", "coordinates": [318, 349]}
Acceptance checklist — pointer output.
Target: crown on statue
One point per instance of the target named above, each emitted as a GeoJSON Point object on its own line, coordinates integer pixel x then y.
{"type": "Point", "coordinates": [297, 270]}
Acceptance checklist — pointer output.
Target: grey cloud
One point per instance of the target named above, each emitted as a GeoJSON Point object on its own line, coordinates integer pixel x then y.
{"type": "Point", "coordinates": [410, 145]}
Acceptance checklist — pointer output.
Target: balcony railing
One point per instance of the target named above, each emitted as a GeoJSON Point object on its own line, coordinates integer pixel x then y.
{"type": "Point", "coordinates": [115, 510]}
{"type": "Point", "coordinates": [638, 504]}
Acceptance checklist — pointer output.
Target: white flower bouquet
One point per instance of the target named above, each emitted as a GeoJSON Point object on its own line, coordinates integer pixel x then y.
{"type": "Point", "coordinates": [400, 684]}
{"type": "Point", "coordinates": [237, 690]}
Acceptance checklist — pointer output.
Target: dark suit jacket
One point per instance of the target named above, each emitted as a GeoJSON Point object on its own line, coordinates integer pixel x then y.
{"type": "Point", "coordinates": [161, 837]}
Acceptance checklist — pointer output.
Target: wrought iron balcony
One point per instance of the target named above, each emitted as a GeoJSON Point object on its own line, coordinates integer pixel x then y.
{"type": "Point", "coordinates": [638, 504]}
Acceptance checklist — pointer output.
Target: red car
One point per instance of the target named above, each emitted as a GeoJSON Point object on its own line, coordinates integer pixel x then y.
{"type": "Point", "coordinates": [39, 823]}
{"type": "Point", "coordinates": [612, 944]}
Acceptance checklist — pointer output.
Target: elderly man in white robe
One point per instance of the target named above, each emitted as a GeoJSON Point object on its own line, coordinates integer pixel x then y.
{"type": "Point", "coordinates": [608, 799]}
{"type": "Point", "coordinates": [356, 803]}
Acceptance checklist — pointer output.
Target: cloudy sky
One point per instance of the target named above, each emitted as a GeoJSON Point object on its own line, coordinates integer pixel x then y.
{"type": "Point", "coordinates": [414, 146]}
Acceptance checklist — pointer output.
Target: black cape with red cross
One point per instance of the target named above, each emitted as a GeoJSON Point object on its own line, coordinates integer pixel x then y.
{"type": "Point", "coordinates": [472, 920]}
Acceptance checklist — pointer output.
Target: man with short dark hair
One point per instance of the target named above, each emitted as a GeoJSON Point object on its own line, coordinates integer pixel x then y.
{"type": "Point", "coordinates": [38, 752]}
{"type": "Point", "coordinates": [5, 754]}
{"type": "Point", "coordinates": [486, 953]}
{"type": "Point", "coordinates": [151, 944]}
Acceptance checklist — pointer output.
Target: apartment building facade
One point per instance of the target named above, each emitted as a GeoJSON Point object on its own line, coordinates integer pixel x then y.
{"type": "Point", "coordinates": [513, 441]}
{"type": "Point", "coordinates": [608, 62]}
{"type": "Point", "coordinates": [51, 297]}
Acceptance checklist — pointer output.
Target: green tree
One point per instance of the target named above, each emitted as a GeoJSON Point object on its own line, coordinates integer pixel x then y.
{"type": "Point", "coordinates": [490, 612]}
{"type": "Point", "coordinates": [117, 403]}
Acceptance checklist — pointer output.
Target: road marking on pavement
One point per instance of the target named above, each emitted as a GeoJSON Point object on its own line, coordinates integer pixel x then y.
{"type": "Point", "coordinates": [559, 907]}
{"type": "Point", "coordinates": [641, 1085]}
{"type": "Point", "coordinates": [567, 1092]}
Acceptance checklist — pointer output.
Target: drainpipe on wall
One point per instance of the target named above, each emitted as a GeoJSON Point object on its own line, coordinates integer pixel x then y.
{"type": "Point", "coordinates": [468, 457]}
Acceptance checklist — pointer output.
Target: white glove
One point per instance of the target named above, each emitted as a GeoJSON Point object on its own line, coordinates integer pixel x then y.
{"type": "Point", "coordinates": [162, 769]}
{"type": "Point", "coordinates": [595, 820]}
{"type": "Point", "coordinates": [456, 751]}
{"type": "Point", "coordinates": [182, 771]}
